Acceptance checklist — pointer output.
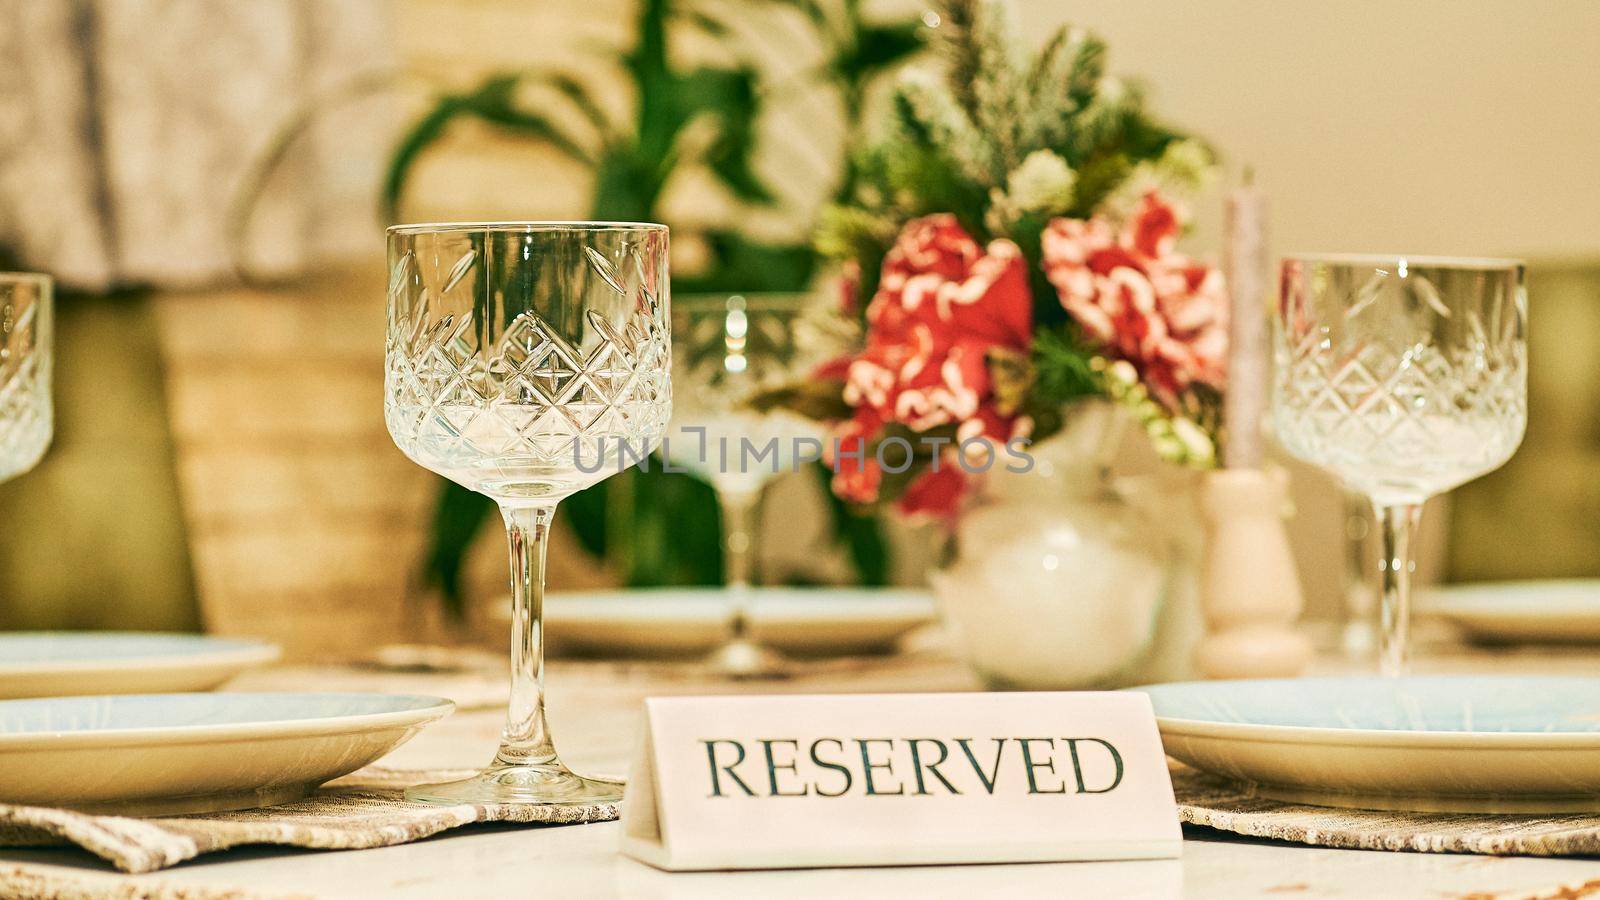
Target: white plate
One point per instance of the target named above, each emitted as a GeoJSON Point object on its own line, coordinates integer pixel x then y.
{"type": "Point", "coordinates": [1456, 744]}
{"type": "Point", "coordinates": [165, 754]}
{"type": "Point", "coordinates": [65, 663]}
{"type": "Point", "coordinates": [689, 621]}
{"type": "Point", "coordinates": [1566, 612]}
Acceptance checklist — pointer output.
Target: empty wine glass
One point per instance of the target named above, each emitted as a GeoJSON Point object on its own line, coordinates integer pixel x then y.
{"type": "Point", "coordinates": [25, 364]}
{"type": "Point", "coordinates": [730, 348]}
{"type": "Point", "coordinates": [1403, 376]}
{"type": "Point", "coordinates": [527, 361]}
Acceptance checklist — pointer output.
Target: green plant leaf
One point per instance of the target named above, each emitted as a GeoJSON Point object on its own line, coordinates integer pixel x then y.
{"type": "Point", "coordinates": [656, 527]}
{"type": "Point", "coordinates": [422, 134]}
{"type": "Point", "coordinates": [877, 48]}
{"type": "Point", "coordinates": [627, 185]}
{"type": "Point", "coordinates": [730, 96]}
{"type": "Point", "coordinates": [817, 399]}
{"type": "Point", "coordinates": [741, 264]}
{"type": "Point", "coordinates": [578, 94]}
{"type": "Point", "coordinates": [495, 102]}
{"type": "Point", "coordinates": [706, 21]}
{"type": "Point", "coordinates": [675, 529]}
{"type": "Point", "coordinates": [457, 519]}
{"type": "Point", "coordinates": [814, 11]}
{"type": "Point", "coordinates": [491, 101]}
{"type": "Point", "coordinates": [859, 532]}
{"type": "Point", "coordinates": [586, 515]}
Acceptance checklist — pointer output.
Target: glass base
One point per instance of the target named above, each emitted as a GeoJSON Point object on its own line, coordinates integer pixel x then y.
{"type": "Point", "coordinates": [742, 658]}
{"type": "Point", "coordinates": [545, 785]}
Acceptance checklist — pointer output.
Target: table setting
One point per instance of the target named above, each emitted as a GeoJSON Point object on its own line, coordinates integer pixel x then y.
{"type": "Point", "coordinates": [1096, 667]}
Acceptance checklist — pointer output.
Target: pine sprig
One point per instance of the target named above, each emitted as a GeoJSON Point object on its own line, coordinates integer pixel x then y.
{"type": "Point", "coordinates": [1041, 383]}
{"type": "Point", "coordinates": [999, 89]}
{"type": "Point", "coordinates": [957, 21]}
{"type": "Point", "coordinates": [1004, 140]}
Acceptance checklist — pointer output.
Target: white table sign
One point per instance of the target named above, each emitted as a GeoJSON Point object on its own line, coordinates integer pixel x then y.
{"type": "Point", "coordinates": [754, 782]}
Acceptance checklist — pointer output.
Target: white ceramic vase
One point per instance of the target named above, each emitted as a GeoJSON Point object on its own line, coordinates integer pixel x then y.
{"type": "Point", "coordinates": [1063, 578]}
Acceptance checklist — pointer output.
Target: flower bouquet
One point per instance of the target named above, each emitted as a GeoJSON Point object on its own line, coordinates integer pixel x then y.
{"type": "Point", "coordinates": [1015, 237]}
{"type": "Point", "coordinates": [1015, 233]}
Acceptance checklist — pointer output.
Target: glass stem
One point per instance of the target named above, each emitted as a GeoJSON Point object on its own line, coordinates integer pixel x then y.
{"type": "Point", "coordinates": [1356, 635]}
{"type": "Point", "coordinates": [526, 738]}
{"type": "Point", "coordinates": [738, 539]}
{"type": "Point", "coordinates": [1398, 522]}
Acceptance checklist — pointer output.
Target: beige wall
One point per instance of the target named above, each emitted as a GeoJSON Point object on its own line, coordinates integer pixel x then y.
{"type": "Point", "coordinates": [1428, 126]}
{"type": "Point", "coordinates": [1424, 126]}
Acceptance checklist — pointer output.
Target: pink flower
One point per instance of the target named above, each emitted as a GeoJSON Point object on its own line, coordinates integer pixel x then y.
{"type": "Point", "coordinates": [1133, 295]}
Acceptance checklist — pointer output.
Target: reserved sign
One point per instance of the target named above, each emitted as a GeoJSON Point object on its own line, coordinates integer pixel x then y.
{"type": "Point", "coordinates": [756, 782]}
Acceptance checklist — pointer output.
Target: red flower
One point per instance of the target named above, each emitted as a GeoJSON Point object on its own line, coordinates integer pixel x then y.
{"type": "Point", "coordinates": [856, 473]}
{"type": "Point", "coordinates": [942, 303]}
{"type": "Point", "coordinates": [836, 369]}
{"type": "Point", "coordinates": [850, 288]}
{"type": "Point", "coordinates": [935, 494]}
{"type": "Point", "coordinates": [1140, 300]}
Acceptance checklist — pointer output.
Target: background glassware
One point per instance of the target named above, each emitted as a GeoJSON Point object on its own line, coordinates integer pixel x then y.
{"type": "Point", "coordinates": [25, 364]}
{"type": "Point", "coordinates": [1404, 377]}
{"type": "Point", "coordinates": [1358, 631]}
{"type": "Point", "coordinates": [730, 348]}
{"type": "Point", "coordinates": [527, 361]}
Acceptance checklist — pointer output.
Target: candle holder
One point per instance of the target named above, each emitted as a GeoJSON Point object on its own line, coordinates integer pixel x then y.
{"type": "Point", "coordinates": [1250, 592]}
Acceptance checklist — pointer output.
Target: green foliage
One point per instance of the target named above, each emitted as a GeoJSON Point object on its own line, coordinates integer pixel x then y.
{"type": "Point", "coordinates": [1061, 374]}
{"type": "Point", "coordinates": [960, 144]}
{"type": "Point", "coordinates": [494, 102]}
{"type": "Point", "coordinates": [1042, 383]}
{"type": "Point", "coordinates": [856, 51]}
{"type": "Point", "coordinates": [820, 399]}
{"type": "Point", "coordinates": [861, 533]}
{"type": "Point", "coordinates": [1186, 436]}
{"type": "Point", "coordinates": [744, 265]}
{"type": "Point", "coordinates": [457, 518]}
{"type": "Point", "coordinates": [657, 527]}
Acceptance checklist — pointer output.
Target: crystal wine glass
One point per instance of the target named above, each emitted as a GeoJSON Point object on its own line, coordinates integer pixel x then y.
{"type": "Point", "coordinates": [729, 349]}
{"type": "Point", "coordinates": [1404, 377]}
{"type": "Point", "coordinates": [527, 361]}
{"type": "Point", "coordinates": [25, 363]}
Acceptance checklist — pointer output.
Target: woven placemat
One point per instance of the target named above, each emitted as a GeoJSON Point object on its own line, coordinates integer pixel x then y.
{"type": "Point", "coordinates": [362, 810]}
{"type": "Point", "coordinates": [367, 809]}
{"type": "Point", "coordinates": [1228, 806]}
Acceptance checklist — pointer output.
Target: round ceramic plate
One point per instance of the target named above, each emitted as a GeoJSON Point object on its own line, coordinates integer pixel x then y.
{"type": "Point", "coordinates": [688, 621]}
{"type": "Point", "coordinates": [65, 663]}
{"type": "Point", "coordinates": [165, 754]}
{"type": "Point", "coordinates": [1565, 612]}
{"type": "Point", "coordinates": [1456, 744]}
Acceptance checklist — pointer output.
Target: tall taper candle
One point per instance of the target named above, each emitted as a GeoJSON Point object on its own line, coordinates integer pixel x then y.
{"type": "Point", "coordinates": [1246, 266]}
{"type": "Point", "coordinates": [1250, 591]}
